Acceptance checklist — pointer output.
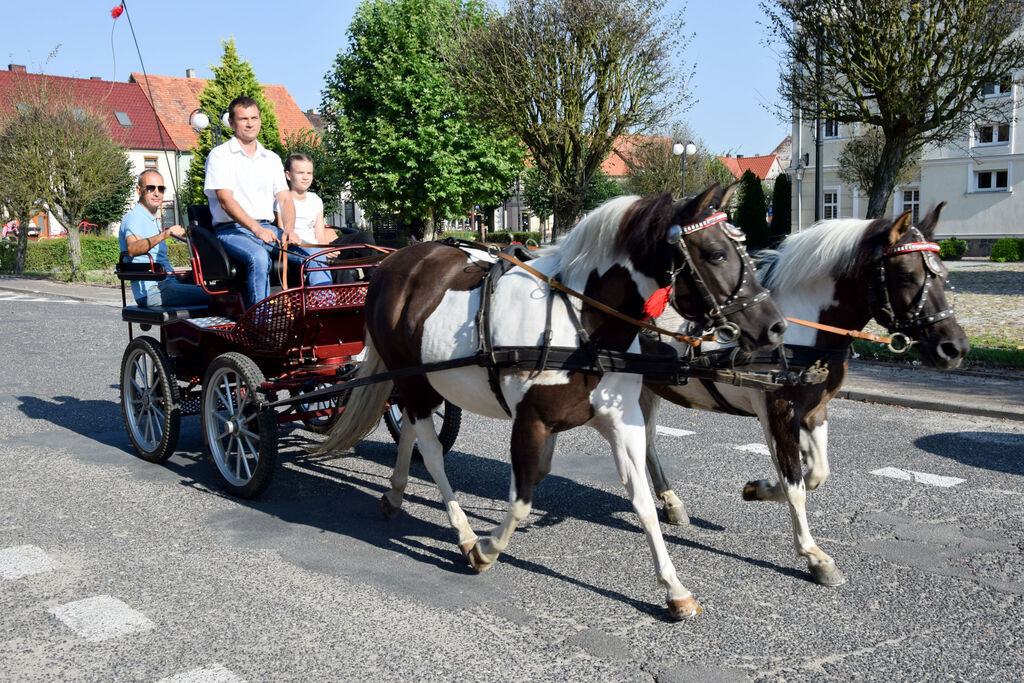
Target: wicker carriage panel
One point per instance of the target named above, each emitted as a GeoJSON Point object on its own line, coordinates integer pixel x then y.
{"type": "Point", "coordinates": [274, 324]}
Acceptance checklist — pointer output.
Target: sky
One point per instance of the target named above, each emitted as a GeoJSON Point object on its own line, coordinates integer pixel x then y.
{"type": "Point", "coordinates": [736, 74]}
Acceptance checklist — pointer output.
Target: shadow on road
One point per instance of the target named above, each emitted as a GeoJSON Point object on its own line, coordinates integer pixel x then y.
{"type": "Point", "coordinates": [997, 451]}
{"type": "Point", "coordinates": [97, 420]}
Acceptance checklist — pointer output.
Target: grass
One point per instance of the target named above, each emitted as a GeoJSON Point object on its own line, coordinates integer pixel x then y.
{"type": "Point", "coordinates": [982, 354]}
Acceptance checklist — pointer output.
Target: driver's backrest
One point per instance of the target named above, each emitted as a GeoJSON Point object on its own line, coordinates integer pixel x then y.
{"type": "Point", "coordinates": [215, 267]}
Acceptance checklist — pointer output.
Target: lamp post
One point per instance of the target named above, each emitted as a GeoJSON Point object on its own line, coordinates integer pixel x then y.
{"type": "Point", "coordinates": [798, 171]}
{"type": "Point", "coordinates": [200, 120]}
{"type": "Point", "coordinates": [682, 151]}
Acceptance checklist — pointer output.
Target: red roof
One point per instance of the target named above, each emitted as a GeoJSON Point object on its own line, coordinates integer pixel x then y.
{"type": "Point", "coordinates": [761, 166]}
{"type": "Point", "coordinates": [105, 97]}
{"type": "Point", "coordinates": [617, 164]}
{"type": "Point", "coordinates": [175, 98]}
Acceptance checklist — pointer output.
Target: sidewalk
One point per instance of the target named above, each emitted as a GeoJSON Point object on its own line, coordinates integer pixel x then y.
{"type": "Point", "coordinates": [997, 394]}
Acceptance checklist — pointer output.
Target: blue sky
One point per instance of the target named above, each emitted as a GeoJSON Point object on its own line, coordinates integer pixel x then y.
{"type": "Point", "coordinates": [736, 74]}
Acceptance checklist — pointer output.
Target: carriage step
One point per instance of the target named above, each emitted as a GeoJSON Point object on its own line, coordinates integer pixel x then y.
{"type": "Point", "coordinates": [217, 321]}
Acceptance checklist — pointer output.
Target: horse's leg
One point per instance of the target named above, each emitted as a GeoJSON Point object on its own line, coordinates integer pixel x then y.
{"type": "Point", "coordinates": [433, 459]}
{"type": "Point", "coordinates": [625, 435]}
{"type": "Point", "coordinates": [529, 438]}
{"type": "Point", "coordinates": [675, 511]}
{"type": "Point", "coordinates": [544, 461]}
{"type": "Point", "coordinates": [814, 450]}
{"type": "Point", "coordinates": [391, 501]}
{"type": "Point", "coordinates": [785, 452]}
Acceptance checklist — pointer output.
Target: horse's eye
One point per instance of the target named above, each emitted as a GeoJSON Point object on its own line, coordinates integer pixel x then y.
{"type": "Point", "coordinates": [717, 256]}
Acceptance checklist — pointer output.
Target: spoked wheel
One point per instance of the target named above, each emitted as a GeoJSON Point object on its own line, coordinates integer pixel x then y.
{"type": "Point", "coordinates": [336, 404]}
{"type": "Point", "coordinates": [447, 420]}
{"type": "Point", "coordinates": [241, 439]}
{"type": "Point", "coordinates": [149, 399]}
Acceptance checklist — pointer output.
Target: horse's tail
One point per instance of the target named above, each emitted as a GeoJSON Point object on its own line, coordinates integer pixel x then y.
{"type": "Point", "coordinates": [362, 409]}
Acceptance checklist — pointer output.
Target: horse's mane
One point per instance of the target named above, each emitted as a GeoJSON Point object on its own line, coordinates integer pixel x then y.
{"type": "Point", "coordinates": [827, 249]}
{"type": "Point", "coordinates": [593, 242]}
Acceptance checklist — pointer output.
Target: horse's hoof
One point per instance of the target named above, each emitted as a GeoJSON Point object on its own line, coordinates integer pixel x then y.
{"type": "Point", "coordinates": [676, 516]}
{"type": "Point", "coordinates": [387, 509]}
{"type": "Point", "coordinates": [827, 574]}
{"type": "Point", "coordinates": [471, 549]}
{"type": "Point", "coordinates": [750, 491]}
{"type": "Point", "coordinates": [684, 608]}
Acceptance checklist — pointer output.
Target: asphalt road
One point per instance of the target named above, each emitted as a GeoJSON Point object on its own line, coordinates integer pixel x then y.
{"type": "Point", "coordinates": [112, 568]}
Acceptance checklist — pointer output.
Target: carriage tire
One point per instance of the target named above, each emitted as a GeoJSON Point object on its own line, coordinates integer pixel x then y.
{"type": "Point", "coordinates": [240, 437]}
{"type": "Point", "coordinates": [322, 425]}
{"type": "Point", "coordinates": [451, 422]}
{"type": "Point", "coordinates": [150, 403]}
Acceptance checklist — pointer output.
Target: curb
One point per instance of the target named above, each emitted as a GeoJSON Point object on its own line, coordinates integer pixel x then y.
{"type": "Point", "coordinates": [63, 295]}
{"type": "Point", "coordinates": [866, 396]}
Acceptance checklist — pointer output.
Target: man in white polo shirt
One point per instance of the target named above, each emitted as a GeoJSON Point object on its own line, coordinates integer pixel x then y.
{"type": "Point", "coordinates": [243, 178]}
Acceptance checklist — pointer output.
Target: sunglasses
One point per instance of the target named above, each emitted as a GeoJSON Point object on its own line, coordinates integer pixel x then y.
{"type": "Point", "coordinates": [154, 188]}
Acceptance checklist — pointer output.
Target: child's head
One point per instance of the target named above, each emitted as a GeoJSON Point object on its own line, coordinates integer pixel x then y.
{"type": "Point", "coordinates": [298, 170]}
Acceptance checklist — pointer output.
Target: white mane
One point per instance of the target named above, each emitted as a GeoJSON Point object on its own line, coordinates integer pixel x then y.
{"type": "Point", "coordinates": [826, 249]}
{"type": "Point", "coordinates": [591, 244]}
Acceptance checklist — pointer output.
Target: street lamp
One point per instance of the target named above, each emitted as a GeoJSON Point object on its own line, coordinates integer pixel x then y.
{"type": "Point", "coordinates": [798, 172]}
{"type": "Point", "coordinates": [200, 120]}
{"type": "Point", "coordinates": [682, 151]}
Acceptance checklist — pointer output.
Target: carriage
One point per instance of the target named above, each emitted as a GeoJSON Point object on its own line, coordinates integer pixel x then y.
{"type": "Point", "coordinates": [226, 363]}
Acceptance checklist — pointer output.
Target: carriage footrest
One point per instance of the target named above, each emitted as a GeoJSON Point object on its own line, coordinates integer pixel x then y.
{"type": "Point", "coordinates": [159, 315]}
{"type": "Point", "coordinates": [214, 321]}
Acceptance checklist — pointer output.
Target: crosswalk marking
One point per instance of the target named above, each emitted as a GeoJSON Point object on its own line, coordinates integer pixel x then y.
{"type": "Point", "coordinates": [23, 560]}
{"type": "Point", "coordinates": [919, 477]}
{"type": "Point", "coordinates": [97, 619]}
{"type": "Point", "coordinates": [10, 296]}
{"type": "Point", "coordinates": [758, 448]}
{"type": "Point", "coordinates": [670, 431]}
{"type": "Point", "coordinates": [210, 674]}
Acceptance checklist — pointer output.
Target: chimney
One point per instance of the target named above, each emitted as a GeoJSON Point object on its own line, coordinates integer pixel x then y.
{"type": "Point", "coordinates": [95, 78]}
{"type": "Point", "coordinates": [16, 68]}
{"type": "Point", "coordinates": [739, 156]}
{"type": "Point", "coordinates": [190, 73]}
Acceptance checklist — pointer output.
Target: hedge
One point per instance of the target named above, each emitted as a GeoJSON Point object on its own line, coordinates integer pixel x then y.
{"type": "Point", "coordinates": [952, 249]}
{"type": "Point", "coordinates": [98, 253]}
{"type": "Point", "coordinates": [502, 237]}
{"type": "Point", "coordinates": [1007, 249]}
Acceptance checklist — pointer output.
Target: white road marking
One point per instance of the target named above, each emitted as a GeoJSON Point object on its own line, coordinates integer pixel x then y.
{"type": "Point", "coordinates": [919, 477]}
{"type": "Point", "coordinates": [210, 674]}
{"type": "Point", "coordinates": [9, 296]}
{"type": "Point", "coordinates": [23, 560]}
{"type": "Point", "coordinates": [97, 619]}
{"type": "Point", "coordinates": [759, 448]}
{"type": "Point", "coordinates": [669, 431]}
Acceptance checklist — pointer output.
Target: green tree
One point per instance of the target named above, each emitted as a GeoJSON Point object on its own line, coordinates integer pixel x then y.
{"type": "Point", "coordinates": [782, 212]}
{"type": "Point", "coordinates": [24, 170]}
{"type": "Point", "coordinates": [919, 71]}
{"type": "Point", "coordinates": [861, 155]}
{"type": "Point", "coordinates": [404, 134]}
{"type": "Point", "coordinates": [750, 213]}
{"type": "Point", "coordinates": [569, 77]}
{"type": "Point", "coordinates": [328, 178]}
{"type": "Point", "coordinates": [112, 207]}
{"type": "Point", "coordinates": [233, 78]}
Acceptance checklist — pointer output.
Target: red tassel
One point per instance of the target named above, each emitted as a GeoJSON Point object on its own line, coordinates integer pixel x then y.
{"type": "Point", "coordinates": [116, 12]}
{"type": "Point", "coordinates": [655, 306]}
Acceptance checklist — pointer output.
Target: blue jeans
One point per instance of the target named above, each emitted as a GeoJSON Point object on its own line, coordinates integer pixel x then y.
{"type": "Point", "coordinates": [257, 256]}
{"type": "Point", "coordinates": [170, 292]}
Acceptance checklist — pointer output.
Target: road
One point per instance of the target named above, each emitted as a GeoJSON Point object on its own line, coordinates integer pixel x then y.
{"type": "Point", "coordinates": [112, 568]}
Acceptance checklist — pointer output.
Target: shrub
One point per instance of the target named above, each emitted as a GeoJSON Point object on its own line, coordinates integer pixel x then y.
{"type": "Point", "coordinates": [952, 249]}
{"type": "Point", "coordinates": [98, 253]}
{"type": "Point", "coordinates": [502, 237]}
{"type": "Point", "coordinates": [1007, 249]}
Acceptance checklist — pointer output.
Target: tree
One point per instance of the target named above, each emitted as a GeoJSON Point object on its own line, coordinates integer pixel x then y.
{"type": "Point", "coordinates": [569, 77]}
{"type": "Point", "coordinates": [23, 173]}
{"type": "Point", "coordinates": [782, 211]}
{"type": "Point", "coordinates": [918, 71]}
{"type": "Point", "coordinates": [750, 214]}
{"type": "Point", "coordinates": [233, 78]}
{"type": "Point", "coordinates": [654, 169]}
{"type": "Point", "coordinates": [112, 207]}
{"type": "Point", "coordinates": [860, 157]}
{"type": "Point", "coordinates": [328, 179]}
{"type": "Point", "coordinates": [403, 132]}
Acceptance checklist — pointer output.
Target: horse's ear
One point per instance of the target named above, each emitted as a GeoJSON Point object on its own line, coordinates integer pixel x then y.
{"type": "Point", "coordinates": [899, 228]}
{"type": "Point", "coordinates": [927, 225]}
{"type": "Point", "coordinates": [702, 201]}
{"type": "Point", "coordinates": [723, 201]}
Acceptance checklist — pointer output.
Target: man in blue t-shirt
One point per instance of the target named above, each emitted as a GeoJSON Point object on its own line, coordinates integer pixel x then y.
{"type": "Point", "coordinates": [142, 237]}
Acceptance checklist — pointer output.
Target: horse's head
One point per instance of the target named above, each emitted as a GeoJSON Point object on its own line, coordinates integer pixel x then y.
{"type": "Point", "coordinates": [909, 297]}
{"type": "Point", "coordinates": [706, 267]}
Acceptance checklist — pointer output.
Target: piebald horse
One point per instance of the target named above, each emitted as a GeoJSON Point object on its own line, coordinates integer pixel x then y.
{"type": "Point", "coordinates": [841, 273]}
{"type": "Point", "coordinates": [422, 308]}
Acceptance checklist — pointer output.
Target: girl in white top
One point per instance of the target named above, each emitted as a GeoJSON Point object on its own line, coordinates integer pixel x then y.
{"type": "Point", "coordinates": [309, 213]}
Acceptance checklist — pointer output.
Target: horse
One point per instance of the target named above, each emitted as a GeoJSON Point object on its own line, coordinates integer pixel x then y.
{"type": "Point", "coordinates": [841, 273]}
{"type": "Point", "coordinates": [423, 307]}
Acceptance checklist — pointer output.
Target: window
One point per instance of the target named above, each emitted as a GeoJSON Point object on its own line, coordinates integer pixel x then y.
{"type": "Point", "coordinates": [992, 134]}
{"type": "Point", "coordinates": [79, 114]}
{"type": "Point", "coordinates": [912, 203]}
{"type": "Point", "coordinates": [23, 108]}
{"type": "Point", "coordinates": [830, 205]}
{"type": "Point", "coordinates": [1003, 87]}
{"type": "Point", "coordinates": [122, 118]}
{"type": "Point", "coordinates": [167, 215]}
{"type": "Point", "coordinates": [831, 128]}
{"type": "Point", "coordinates": [350, 214]}
{"type": "Point", "coordinates": [149, 163]}
{"type": "Point", "coordinates": [990, 181]}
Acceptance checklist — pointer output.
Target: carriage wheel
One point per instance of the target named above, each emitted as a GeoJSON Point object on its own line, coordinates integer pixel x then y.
{"type": "Point", "coordinates": [447, 420]}
{"type": "Point", "coordinates": [149, 399]}
{"type": "Point", "coordinates": [241, 439]}
{"type": "Point", "coordinates": [322, 425]}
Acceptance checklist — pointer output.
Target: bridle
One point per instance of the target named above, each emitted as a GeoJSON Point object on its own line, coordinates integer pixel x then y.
{"type": "Point", "coordinates": [882, 304]}
{"type": "Point", "coordinates": [725, 330]}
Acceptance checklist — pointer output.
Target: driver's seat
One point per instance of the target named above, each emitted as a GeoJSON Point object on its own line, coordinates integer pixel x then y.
{"type": "Point", "coordinates": [213, 268]}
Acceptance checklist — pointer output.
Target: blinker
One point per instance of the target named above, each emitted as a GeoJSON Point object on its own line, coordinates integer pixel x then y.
{"type": "Point", "coordinates": [733, 232]}
{"type": "Point", "coordinates": [675, 233]}
{"type": "Point", "coordinates": [931, 260]}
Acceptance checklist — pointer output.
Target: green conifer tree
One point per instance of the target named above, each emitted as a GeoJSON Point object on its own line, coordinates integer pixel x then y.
{"type": "Point", "coordinates": [782, 213]}
{"type": "Point", "coordinates": [750, 214]}
{"type": "Point", "coordinates": [233, 78]}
